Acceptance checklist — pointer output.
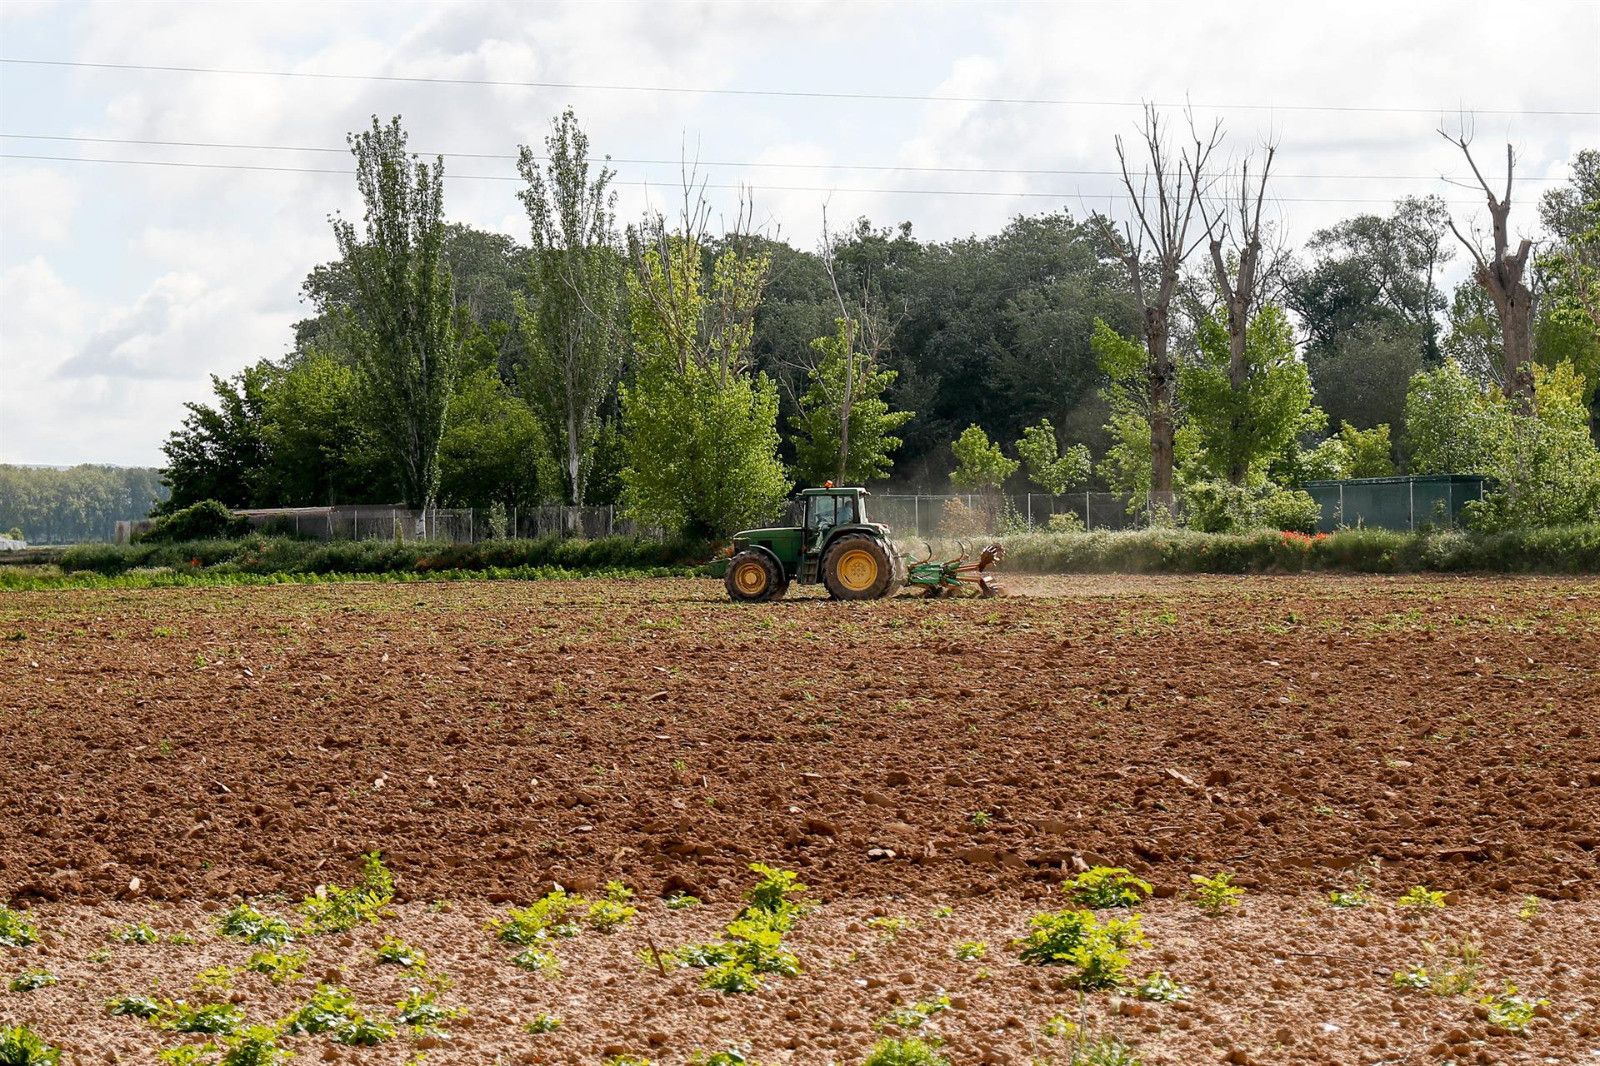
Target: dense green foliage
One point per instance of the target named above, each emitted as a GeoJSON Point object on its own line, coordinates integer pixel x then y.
{"type": "Point", "coordinates": [845, 431]}
{"type": "Point", "coordinates": [660, 372]}
{"type": "Point", "coordinates": [206, 520]}
{"type": "Point", "coordinates": [50, 506]}
{"type": "Point", "coordinates": [282, 555]}
{"type": "Point", "coordinates": [1558, 550]}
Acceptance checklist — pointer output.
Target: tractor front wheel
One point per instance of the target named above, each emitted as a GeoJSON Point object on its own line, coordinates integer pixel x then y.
{"type": "Point", "coordinates": [859, 567]}
{"type": "Point", "coordinates": [753, 577]}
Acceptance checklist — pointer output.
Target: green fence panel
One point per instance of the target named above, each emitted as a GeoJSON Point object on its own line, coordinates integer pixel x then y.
{"type": "Point", "coordinates": [1403, 503]}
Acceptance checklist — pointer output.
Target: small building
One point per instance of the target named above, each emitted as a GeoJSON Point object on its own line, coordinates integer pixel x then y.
{"type": "Point", "coordinates": [9, 545]}
{"type": "Point", "coordinates": [1404, 503]}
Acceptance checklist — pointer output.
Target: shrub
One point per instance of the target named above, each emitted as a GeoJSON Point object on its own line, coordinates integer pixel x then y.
{"type": "Point", "coordinates": [1291, 510]}
{"type": "Point", "coordinates": [206, 520]}
{"type": "Point", "coordinates": [277, 966]}
{"type": "Point", "coordinates": [422, 1011]}
{"type": "Point", "coordinates": [908, 1052]}
{"type": "Point", "coordinates": [257, 1045]}
{"type": "Point", "coordinates": [396, 952]}
{"type": "Point", "coordinates": [1104, 887]}
{"type": "Point", "coordinates": [753, 947]}
{"type": "Point", "coordinates": [1063, 522]}
{"type": "Point", "coordinates": [134, 1006]}
{"type": "Point", "coordinates": [1220, 507]}
{"type": "Point", "coordinates": [212, 1019]}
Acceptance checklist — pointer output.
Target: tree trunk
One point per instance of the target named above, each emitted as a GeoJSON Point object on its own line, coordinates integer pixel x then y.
{"type": "Point", "coordinates": [1163, 405]}
{"type": "Point", "coordinates": [1516, 338]}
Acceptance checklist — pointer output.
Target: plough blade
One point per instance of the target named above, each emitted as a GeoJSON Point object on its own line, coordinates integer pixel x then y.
{"type": "Point", "coordinates": [957, 576]}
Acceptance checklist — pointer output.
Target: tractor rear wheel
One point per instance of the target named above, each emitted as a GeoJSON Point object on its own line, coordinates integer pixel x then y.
{"type": "Point", "coordinates": [859, 567]}
{"type": "Point", "coordinates": [753, 577]}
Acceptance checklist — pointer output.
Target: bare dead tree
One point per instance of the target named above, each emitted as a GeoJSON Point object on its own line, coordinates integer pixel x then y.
{"type": "Point", "coordinates": [1503, 275]}
{"type": "Point", "coordinates": [1234, 233]}
{"type": "Point", "coordinates": [1164, 201]}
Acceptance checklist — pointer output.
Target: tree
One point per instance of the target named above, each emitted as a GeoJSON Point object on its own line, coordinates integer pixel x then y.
{"type": "Point", "coordinates": [845, 430]}
{"type": "Point", "coordinates": [1369, 452]}
{"type": "Point", "coordinates": [1502, 274]}
{"type": "Point", "coordinates": [980, 464]}
{"type": "Point", "coordinates": [700, 436]}
{"type": "Point", "coordinates": [1051, 469]}
{"type": "Point", "coordinates": [1377, 272]}
{"type": "Point", "coordinates": [1361, 377]}
{"type": "Point", "coordinates": [408, 350]}
{"type": "Point", "coordinates": [1543, 467]}
{"type": "Point", "coordinates": [1164, 205]}
{"type": "Point", "coordinates": [573, 334]}
{"type": "Point", "coordinates": [490, 448]}
{"type": "Point", "coordinates": [1241, 423]}
{"type": "Point", "coordinates": [1128, 464]}
{"type": "Point", "coordinates": [316, 447]}
{"type": "Point", "coordinates": [1243, 288]}
{"type": "Point", "coordinates": [218, 452]}
{"type": "Point", "coordinates": [1451, 422]}
{"type": "Point", "coordinates": [1567, 328]}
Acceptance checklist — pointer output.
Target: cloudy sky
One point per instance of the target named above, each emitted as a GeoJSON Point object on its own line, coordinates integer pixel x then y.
{"type": "Point", "coordinates": [123, 286]}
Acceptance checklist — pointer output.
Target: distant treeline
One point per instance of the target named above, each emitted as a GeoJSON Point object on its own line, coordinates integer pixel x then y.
{"type": "Point", "coordinates": [81, 503]}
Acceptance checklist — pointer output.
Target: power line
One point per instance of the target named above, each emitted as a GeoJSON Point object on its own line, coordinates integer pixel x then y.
{"type": "Point", "coordinates": [878, 167]}
{"type": "Point", "coordinates": [645, 184]}
{"type": "Point", "coordinates": [802, 94]}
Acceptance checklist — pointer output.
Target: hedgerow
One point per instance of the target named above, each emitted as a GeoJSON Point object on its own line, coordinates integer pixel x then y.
{"type": "Point", "coordinates": [1565, 549]}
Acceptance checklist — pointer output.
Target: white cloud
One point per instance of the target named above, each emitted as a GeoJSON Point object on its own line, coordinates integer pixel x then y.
{"type": "Point", "coordinates": [154, 278]}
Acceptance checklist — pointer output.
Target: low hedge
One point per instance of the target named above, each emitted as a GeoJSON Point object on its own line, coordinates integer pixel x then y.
{"type": "Point", "coordinates": [284, 555]}
{"type": "Point", "coordinates": [1560, 550]}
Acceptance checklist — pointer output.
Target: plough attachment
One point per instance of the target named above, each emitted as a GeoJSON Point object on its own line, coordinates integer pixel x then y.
{"type": "Point", "coordinates": [957, 576]}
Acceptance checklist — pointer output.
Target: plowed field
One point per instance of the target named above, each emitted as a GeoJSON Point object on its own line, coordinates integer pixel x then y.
{"type": "Point", "coordinates": [168, 752]}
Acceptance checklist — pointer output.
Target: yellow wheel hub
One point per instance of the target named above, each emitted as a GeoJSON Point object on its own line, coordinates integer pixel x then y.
{"type": "Point", "coordinates": [858, 570]}
{"type": "Point", "coordinates": [751, 578]}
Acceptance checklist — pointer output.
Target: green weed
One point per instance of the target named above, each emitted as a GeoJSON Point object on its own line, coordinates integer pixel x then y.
{"type": "Point", "coordinates": [137, 933]}
{"type": "Point", "coordinates": [396, 952]}
{"type": "Point", "coordinates": [1216, 894]}
{"type": "Point", "coordinates": [21, 1046]}
{"type": "Point", "coordinates": [1105, 887]}
{"type": "Point", "coordinates": [536, 961]}
{"type": "Point", "coordinates": [971, 950]}
{"type": "Point", "coordinates": [32, 980]}
{"type": "Point", "coordinates": [543, 1023]}
{"type": "Point", "coordinates": [550, 916]}
{"type": "Point", "coordinates": [1159, 988]}
{"type": "Point", "coordinates": [1421, 898]}
{"type": "Point", "coordinates": [212, 1019]}
{"type": "Point", "coordinates": [1096, 950]}
{"type": "Point", "coordinates": [278, 966]}
{"type": "Point", "coordinates": [908, 1052]}
{"type": "Point", "coordinates": [134, 1006]}
{"type": "Point", "coordinates": [246, 923]}
{"type": "Point", "coordinates": [1510, 1011]}
{"type": "Point", "coordinates": [423, 1013]}
{"type": "Point", "coordinates": [915, 1015]}
{"type": "Point", "coordinates": [16, 930]}
{"type": "Point", "coordinates": [682, 901]}
{"type": "Point", "coordinates": [332, 909]}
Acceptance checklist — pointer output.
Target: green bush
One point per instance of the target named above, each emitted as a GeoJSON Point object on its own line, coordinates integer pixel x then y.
{"type": "Point", "coordinates": [1569, 549]}
{"type": "Point", "coordinates": [1218, 507]}
{"type": "Point", "coordinates": [259, 554]}
{"type": "Point", "coordinates": [206, 520]}
{"type": "Point", "coordinates": [1291, 510]}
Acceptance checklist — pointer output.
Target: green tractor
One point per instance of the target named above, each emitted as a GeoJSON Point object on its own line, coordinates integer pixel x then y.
{"type": "Point", "coordinates": [837, 546]}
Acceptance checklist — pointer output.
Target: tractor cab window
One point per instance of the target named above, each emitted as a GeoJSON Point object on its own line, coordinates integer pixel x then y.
{"type": "Point", "coordinates": [829, 511]}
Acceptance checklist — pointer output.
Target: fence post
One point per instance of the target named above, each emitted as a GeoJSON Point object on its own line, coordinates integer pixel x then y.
{"type": "Point", "coordinates": [1030, 512]}
{"type": "Point", "coordinates": [1087, 524]}
{"type": "Point", "coordinates": [1411, 503]}
{"type": "Point", "coordinates": [916, 513]}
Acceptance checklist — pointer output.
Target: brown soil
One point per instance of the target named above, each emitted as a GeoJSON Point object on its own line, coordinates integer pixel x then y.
{"type": "Point", "coordinates": [491, 739]}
